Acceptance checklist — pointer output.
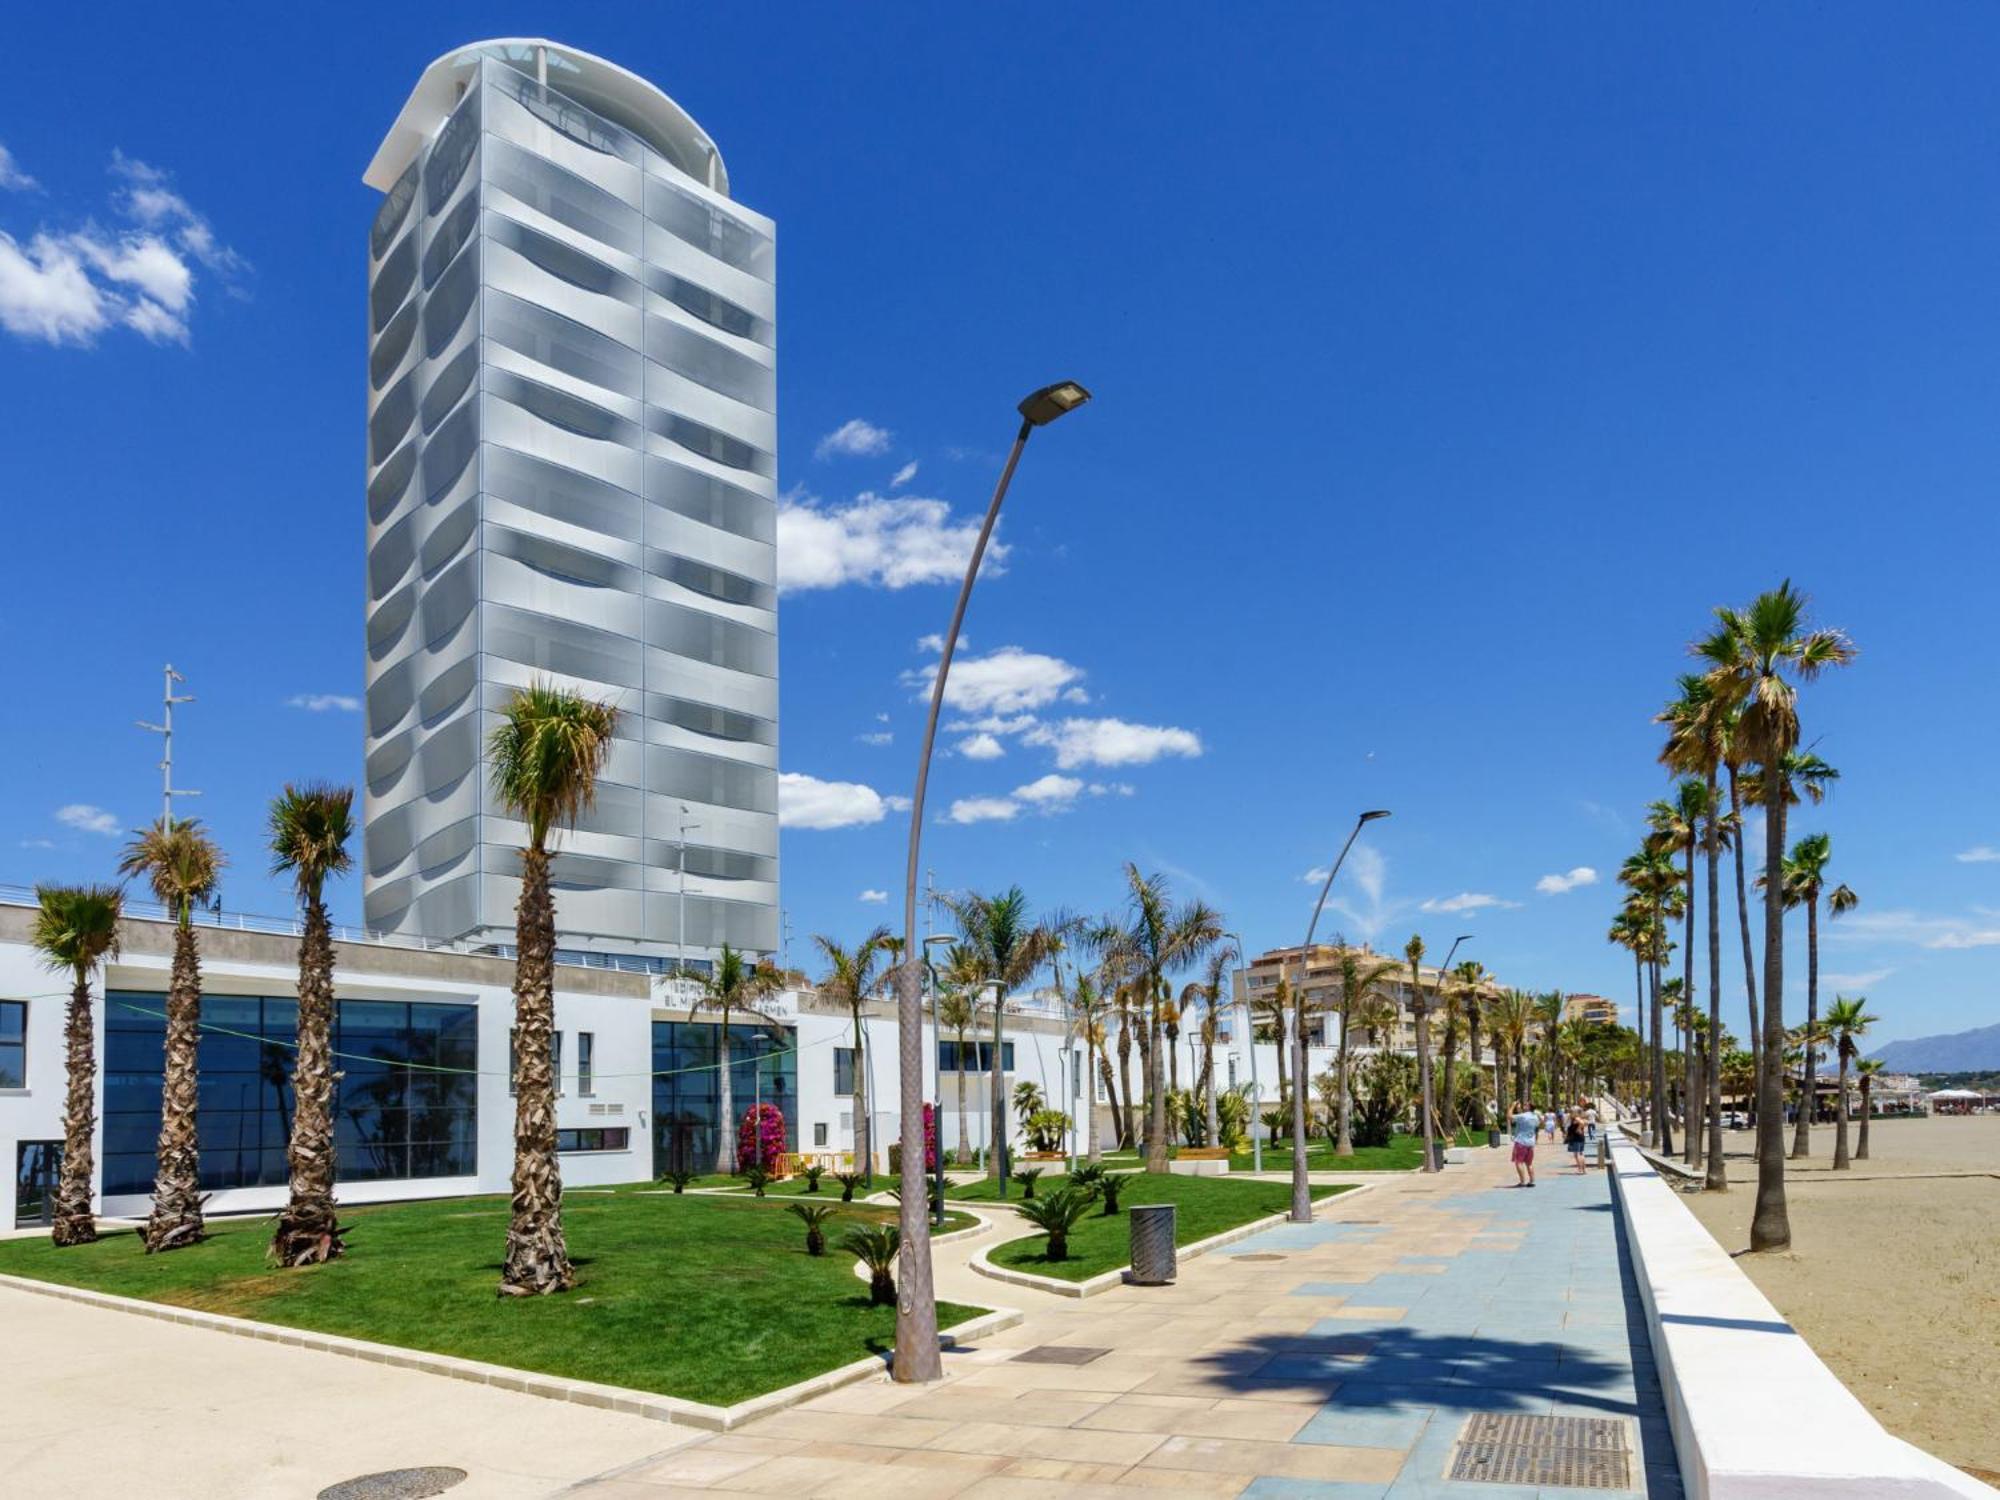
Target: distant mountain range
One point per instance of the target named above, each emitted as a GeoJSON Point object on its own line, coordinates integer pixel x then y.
{"type": "Point", "coordinates": [1961, 1052]}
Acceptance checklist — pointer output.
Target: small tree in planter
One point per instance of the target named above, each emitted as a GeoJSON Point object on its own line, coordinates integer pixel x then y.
{"type": "Point", "coordinates": [875, 1246]}
{"type": "Point", "coordinates": [760, 1139]}
{"type": "Point", "coordinates": [814, 1215]}
{"type": "Point", "coordinates": [1045, 1129]}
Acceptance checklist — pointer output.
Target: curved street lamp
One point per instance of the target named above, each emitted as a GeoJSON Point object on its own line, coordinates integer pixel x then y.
{"type": "Point", "coordinates": [1302, 1211]}
{"type": "Point", "coordinates": [1425, 1073]}
{"type": "Point", "coordinates": [917, 1356]}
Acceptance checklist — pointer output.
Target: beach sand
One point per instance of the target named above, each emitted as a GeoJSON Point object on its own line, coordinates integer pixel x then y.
{"type": "Point", "coordinates": [1893, 1275]}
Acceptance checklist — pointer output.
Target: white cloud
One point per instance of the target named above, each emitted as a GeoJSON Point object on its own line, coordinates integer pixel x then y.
{"type": "Point", "coordinates": [904, 475]}
{"type": "Point", "coordinates": [1315, 875]}
{"type": "Point", "coordinates": [1557, 885]}
{"type": "Point", "coordinates": [38, 843]}
{"type": "Point", "coordinates": [934, 643]}
{"type": "Point", "coordinates": [144, 262]}
{"type": "Point", "coordinates": [85, 818]}
{"type": "Point", "coordinates": [1861, 981]}
{"type": "Point", "coordinates": [1075, 695]}
{"type": "Point", "coordinates": [46, 294]}
{"type": "Point", "coordinates": [1002, 682]}
{"type": "Point", "coordinates": [853, 439]}
{"type": "Point", "coordinates": [982, 810]}
{"type": "Point", "coordinates": [875, 540]}
{"type": "Point", "coordinates": [1948, 933]}
{"type": "Point", "coordinates": [1051, 792]}
{"type": "Point", "coordinates": [1467, 902]}
{"type": "Point", "coordinates": [874, 898]}
{"type": "Point", "coordinates": [12, 178]}
{"type": "Point", "coordinates": [981, 746]}
{"type": "Point", "coordinates": [878, 737]}
{"type": "Point", "coordinates": [1978, 854]}
{"type": "Point", "coordinates": [1110, 742]}
{"type": "Point", "coordinates": [897, 804]}
{"type": "Point", "coordinates": [807, 802]}
{"type": "Point", "coordinates": [319, 703]}
{"type": "Point", "coordinates": [1368, 873]}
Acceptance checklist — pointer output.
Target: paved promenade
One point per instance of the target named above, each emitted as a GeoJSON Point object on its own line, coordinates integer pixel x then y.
{"type": "Point", "coordinates": [1409, 1328]}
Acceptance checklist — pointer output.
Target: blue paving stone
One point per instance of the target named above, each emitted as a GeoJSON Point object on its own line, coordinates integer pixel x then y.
{"type": "Point", "coordinates": [1268, 1488]}
{"type": "Point", "coordinates": [1351, 1428]}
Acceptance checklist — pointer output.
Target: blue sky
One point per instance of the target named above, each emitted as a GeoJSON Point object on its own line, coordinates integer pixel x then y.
{"type": "Point", "coordinates": [1450, 365]}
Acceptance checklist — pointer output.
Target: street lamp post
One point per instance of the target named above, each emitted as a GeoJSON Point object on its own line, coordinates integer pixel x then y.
{"type": "Point", "coordinates": [937, 1089]}
{"type": "Point", "coordinates": [1250, 1040]}
{"type": "Point", "coordinates": [1424, 1075]}
{"type": "Point", "coordinates": [1301, 1191]}
{"type": "Point", "coordinates": [917, 1355]}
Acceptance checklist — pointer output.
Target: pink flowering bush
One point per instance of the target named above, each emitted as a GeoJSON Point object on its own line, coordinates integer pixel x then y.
{"type": "Point", "coordinates": [760, 1140]}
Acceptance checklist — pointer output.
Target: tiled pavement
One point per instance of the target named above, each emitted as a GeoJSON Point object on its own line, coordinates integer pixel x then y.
{"type": "Point", "coordinates": [1345, 1367]}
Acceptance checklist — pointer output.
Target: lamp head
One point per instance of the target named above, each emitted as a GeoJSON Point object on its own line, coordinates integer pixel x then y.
{"type": "Point", "coordinates": [1051, 401]}
{"type": "Point", "coordinates": [1380, 812]}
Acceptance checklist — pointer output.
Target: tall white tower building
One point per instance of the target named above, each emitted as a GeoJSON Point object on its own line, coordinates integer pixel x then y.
{"type": "Point", "coordinates": [572, 465]}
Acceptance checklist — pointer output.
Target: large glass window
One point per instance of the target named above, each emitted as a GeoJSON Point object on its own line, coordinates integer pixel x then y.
{"type": "Point", "coordinates": [586, 1063]}
{"type": "Point", "coordinates": [37, 1165]}
{"type": "Point", "coordinates": [595, 1138]}
{"type": "Point", "coordinates": [406, 1105]}
{"type": "Point", "coordinates": [978, 1057]}
{"type": "Point", "coordinates": [843, 1070]}
{"type": "Point", "coordinates": [13, 1044]}
{"type": "Point", "coordinates": [687, 1102]}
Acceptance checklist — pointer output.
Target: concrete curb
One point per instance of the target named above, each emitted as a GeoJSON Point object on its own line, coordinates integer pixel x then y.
{"type": "Point", "coordinates": [648, 1404]}
{"type": "Point", "coordinates": [1104, 1281]}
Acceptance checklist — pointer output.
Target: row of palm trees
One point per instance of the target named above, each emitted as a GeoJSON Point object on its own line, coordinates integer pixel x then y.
{"type": "Point", "coordinates": [1734, 739]}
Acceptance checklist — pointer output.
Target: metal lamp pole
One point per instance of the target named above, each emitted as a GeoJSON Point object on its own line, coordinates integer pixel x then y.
{"type": "Point", "coordinates": [1301, 1192]}
{"type": "Point", "coordinates": [917, 1356]}
{"type": "Point", "coordinates": [937, 1090]}
{"type": "Point", "coordinates": [1250, 1037]}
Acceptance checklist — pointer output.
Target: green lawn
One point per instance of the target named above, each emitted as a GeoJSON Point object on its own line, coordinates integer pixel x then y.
{"type": "Point", "coordinates": [1403, 1153]}
{"type": "Point", "coordinates": [709, 1298]}
{"type": "Point", "coordinates": [1099, 1242]}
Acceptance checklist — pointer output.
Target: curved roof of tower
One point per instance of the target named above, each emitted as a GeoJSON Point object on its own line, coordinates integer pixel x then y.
{"type": "Point", "coordinates": [621, 96]}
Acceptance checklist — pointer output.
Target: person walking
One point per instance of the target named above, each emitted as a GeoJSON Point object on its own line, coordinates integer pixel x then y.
{"type": "Point", "coordinates": [1589, 1123]}
{"type": "Point", "coordinates": [1574, 1137]}
{"type": "Point", "coordinates": [1526, 1125]}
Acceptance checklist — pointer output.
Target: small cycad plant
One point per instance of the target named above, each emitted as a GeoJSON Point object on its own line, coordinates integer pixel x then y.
{"type": "Point", "coordinates": [1109, 1186]}
{"type": "Point", "coordinates": [680, 1177]}
{"type": "Point", "coordinates": [812, 1176]}
{"type": "Point", "coordinates": [1028, 1177]}
{"type": "Point", "coordinates": [1056, 1214]}
{"type": "Point", "coordinates": [757, 1177]}
{"type": "Point", "coordinates": [875, 1246]}
{"type": "Point", "coordinates": [848, 1181]}
{"type": "Point", "coordinates": [814, 1215]}
{"type": "Point", "coordinates": [1088, 1175]}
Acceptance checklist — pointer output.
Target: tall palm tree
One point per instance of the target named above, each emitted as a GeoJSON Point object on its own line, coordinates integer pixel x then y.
{"type": "Point", "coordinates": [1413, 955]}
{"type": "Point", "coordinates": [1205, 998]}
{"type": "Point", "coordinates": [1088, 1010]}
{"type": "Point", "coordinates": [956, 1010]}
{"type": "Point", "coordinates": [1847, 1021]}
{"type": "Point", "coordinates": [310, 827]}
{"type": "Point", "coordinates": [546, 752]}
{"type": "Point", "coordinates": [1008, 948]}
{"type": "Point", "coordinates": [1360, 973]}
{"type": "Point", "coordinates": [182, 865]}
{"type": "Point", "coordinates": [76, 929]}
{"type": "Point", "coordinates": [1548, 1015]}
{"type": "Point", "coordinates": [1655, 885]}
{"type": "Point", "coordinates": [1867, 1068]}
{"type": "Point", "coordinates": [1805, 881]}
{"type": "Point", "coordinates": [1451, 1020]}
{"type": "Point", "coordinates": [849, 980]}
{"type": "Point", "coordinates": [1160, 938]}
{"type": "Point", "coordinates": [1471, 976]}
{"type": "Point", "coordinates": [736, 983]}
{"type": "Point", "coordinates": [1629, 931]}
{"type": "Point", "coordinates": [1512, 1015]}
{"type": "Point", "coordinates": [1753, 657]}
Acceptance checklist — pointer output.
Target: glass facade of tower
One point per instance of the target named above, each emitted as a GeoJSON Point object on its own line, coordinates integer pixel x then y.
{"type": "Point", "coordinates": [572, 476]}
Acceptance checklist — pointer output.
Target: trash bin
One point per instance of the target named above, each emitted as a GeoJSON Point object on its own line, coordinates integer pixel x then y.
{"type": "Point", "coordinates": [1437, 1156]}
{"type": "Point", "coordinates": [1492, 1140]}
{"type": "Point", "coordinates": [1152, 1243]}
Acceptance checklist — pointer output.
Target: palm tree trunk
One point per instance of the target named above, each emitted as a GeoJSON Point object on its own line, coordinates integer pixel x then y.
{"type": "Point", "coordinates": [537, 1261]}
{"type": "Point", "coordinates": [1284, 1053]}
{"type": "Point", "coordinates": [1691, 1131]}
{"type": "Point", "coordinates": [1126, 1124]}
{"type": "Point", "coordinates": [1770, 1223]}
{"type": "Point", "coordinates": [1867, 1109]}
{"type": "Point", "coordinates": [1639, 1017]}
{"type": "Point", "coordinates": [74, 1223]}
{"type": "Point", "coordinates": [964, 1148]}
{"type": "Point", "coordinates": [1664, 1139]}
{"type": "Point", "coordinates": [176, 1218]}
{"type": "Point", "coordinates": [1208, 1082]}
{"type": "Point", "coordinates": [1840, 1156]}
{"type": "Point", "coordinates": [308, 1232]}
{"type": "Point", "coordinates": [1156, 1094]}
{"type": "Point", "coordinates": [1426, 1102]}
{"type": "Point", "coordinates": [1110, 1098]}
{"type": "Point", "coordinates": [1092, 1059]}
{"type": "Point", "coordinates": [864, 1137]}
{"type": "Point", "coordinates": [1173, 1035]}
{"type": "Point", "coordinates": [997, 1081]}
{"type": "Point", "coordinates": [1718, 1176]}
{"type": "Point", "coordinates": [725, 1106]}
{"type": "Point", "coordinates": [1743, 921]}
{"type": "Point", "coordinates": [1343, 1143]}
{"type": "Point", "coordinates": [1809, 1077]}
{"type": "Point", "coordinates": [1448, 1108]}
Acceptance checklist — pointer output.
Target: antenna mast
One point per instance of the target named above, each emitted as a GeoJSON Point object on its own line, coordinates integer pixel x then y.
{"type": "Point", "coordinates": [168, 698]}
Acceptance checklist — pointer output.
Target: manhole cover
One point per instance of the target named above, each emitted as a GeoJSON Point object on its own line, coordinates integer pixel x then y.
{"type": "Point", "coordinates": [1591, 1453]}
{"type": "Point", "coordinates": [395, 1484]}
{"type": "Point", "coordinates": [1257, 1256]}
{"type": "Point", "coordinates": [1060, 1354]}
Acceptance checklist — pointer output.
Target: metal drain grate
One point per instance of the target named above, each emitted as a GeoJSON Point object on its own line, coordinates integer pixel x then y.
{"type": "Point", "coordinates": [1590, 1453]}
{"type": "Point", "coordinates": [1259, 1255]}
{"type": "Point", "coordinates": [1059, 1354]}
{"type": "Point", "coordinates": [395, 1484]}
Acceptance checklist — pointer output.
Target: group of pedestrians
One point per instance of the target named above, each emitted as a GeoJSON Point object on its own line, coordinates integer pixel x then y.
{"type": "Point", "coordinates": [1576, 1128]}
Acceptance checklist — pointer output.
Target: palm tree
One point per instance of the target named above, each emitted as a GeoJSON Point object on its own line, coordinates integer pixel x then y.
{"type": "Point", "coordinates": [546, 752]}
{"type": "Point", "coordinates": [1158, 938]}
{"type": "Point", "coordinates": [1471, 981]}
{"type": "Point", "coordinates": [849, 980]}
{"type": "Point", "coordinates": [1088, 1009]}
{"type": "Point", "coordinates": [955, 1009]}
{"type": "Point", "coordinates": [1207, 997]}
{"type": "Point", "coordinates": [1548, 1015]}
{"type": "Point", "coordinates": [1008, 949]}
{"type": "Point", "coordinates": [1805, 880]}
{"type": "Point", "coordinates": [1359, 975]}
{"type": "Point", "coordinates": [76, 929]}
{"type": "Point", "coordinates": [735, 983]}
{"type": "Point", "coordinates": [1629, 931]}
{"type": "Point", "coordinates": [1753, 654]}
{"type": "Point", "coordinates": [182, 865]}
{"type": "Point", "coordinates": [1413, 955]}
{"type": "Point", "coordinates": [309, 831]}
{"type": "Point", "coordinates": [1846, 1022]}
{"type": "Point", "coordinates": [1450, 1019]}
{"type": "Point", "coordinates": [1867, 1068]}
{"type": "Point", "coordinates": [1656, 889]}
{"type": "Point", "coordinates": [1512, 1015]}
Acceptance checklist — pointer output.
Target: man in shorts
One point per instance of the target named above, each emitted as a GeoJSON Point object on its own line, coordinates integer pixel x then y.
{"type": "Point", "coordinates": [1526, 1123]}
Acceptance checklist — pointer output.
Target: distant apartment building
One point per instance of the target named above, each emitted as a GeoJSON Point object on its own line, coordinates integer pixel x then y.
{"type": "Point", "coordinates": [1258, 984]}
{"type": "Point", "coordinates": [1593, 1009]}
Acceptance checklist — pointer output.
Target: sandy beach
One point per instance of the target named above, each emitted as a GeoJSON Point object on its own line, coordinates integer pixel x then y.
{"type": "Point", "coordinates": [1894, 1273]}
